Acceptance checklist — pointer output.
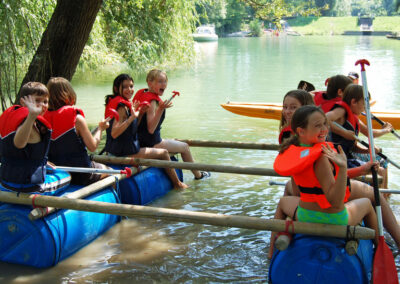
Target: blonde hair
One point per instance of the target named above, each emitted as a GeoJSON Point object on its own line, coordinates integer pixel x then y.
{"type": "Point", "coordinates": [154, 74]}
{"type": "Point", "coordinates": [61, 93]}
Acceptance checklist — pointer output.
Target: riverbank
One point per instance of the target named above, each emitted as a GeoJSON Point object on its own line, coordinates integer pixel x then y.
{"type": "Point", "coordinates": [338, 25]}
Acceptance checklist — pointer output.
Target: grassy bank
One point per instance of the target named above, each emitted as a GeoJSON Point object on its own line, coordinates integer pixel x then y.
{"type": "Point", "coordinates": [338, 25]}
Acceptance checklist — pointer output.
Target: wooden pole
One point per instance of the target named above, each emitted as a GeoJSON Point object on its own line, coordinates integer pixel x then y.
{"type": "Point", "coordinates": [184, 215]}
{"type": "Point", "coordinates": [183, 165]}
{"type": "Point", "coordinates": [40, 212]}
{"type": "Point", "coordinates": [229, 144]}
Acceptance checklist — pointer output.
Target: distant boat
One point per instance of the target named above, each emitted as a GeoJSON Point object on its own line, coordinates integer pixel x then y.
{"type": "Point", "coordinates": [393, 36]}
{"type": "Point", "coordinates": [205, 33]}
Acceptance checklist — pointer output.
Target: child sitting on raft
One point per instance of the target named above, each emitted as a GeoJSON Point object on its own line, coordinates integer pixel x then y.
{"type": "Point", "coordinates": [122, 136]}
{"type": "Point", "coordinates": [71, 135]}
{"type": "Point", "coordinates": [321, 175]}
{"type": "Point", "coordinates": [25, 138]}
{"type": "Point", "coordinates": [345, 112]}
{"type": "Point", "coordinates": [150, 124]}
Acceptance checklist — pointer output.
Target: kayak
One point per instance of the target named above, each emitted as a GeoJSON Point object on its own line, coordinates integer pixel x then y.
{"type": "Point", "coordinates": [311, 259]}
{"type": "Point", "coordinates": [51, 239]}
{"type": "Point", "coordinates": [274, 110]}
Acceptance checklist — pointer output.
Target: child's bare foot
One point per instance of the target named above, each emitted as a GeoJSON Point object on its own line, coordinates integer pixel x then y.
{"type": "Point", "coordinates": [180, 185]}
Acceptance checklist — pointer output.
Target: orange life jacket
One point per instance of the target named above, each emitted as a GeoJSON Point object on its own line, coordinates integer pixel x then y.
{"type": "Point", "coordinates": [298, 162]}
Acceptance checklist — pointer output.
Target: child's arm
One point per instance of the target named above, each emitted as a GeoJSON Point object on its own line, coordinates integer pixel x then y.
{"type": "Point", "coordinates": [386, 128]}
{"type": "Point", "coordinates": [334, 190]}
{"type": "Point", "coordinates": [339, 115]}
{"type": "Point", "coordinates": [24, 132]}
{"type": "Point", "coordinates": [91, 141]}
{"type": "Point", "coordinates": [154, 114]}
{"type": "Point", "coordinates": [120, 126]}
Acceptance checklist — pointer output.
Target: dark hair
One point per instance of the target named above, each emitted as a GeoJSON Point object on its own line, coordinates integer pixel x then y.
{"type": "Point", "coordinates": [32, 88]}
{"type": "Point", "coordinates": [353, 91]}
{"type": "Point", "coordinates": [299, 119]}
{"type": "Point", "coordinates": [335, 83]}
{"type": "Point", "coordinates": [306, 86]}
{"type": "Point", "coordinates": [116, 89]}
{"type": "Point", "coordinates": [61, 93]}
{"type": "Point", "coordinates": [302, 96]}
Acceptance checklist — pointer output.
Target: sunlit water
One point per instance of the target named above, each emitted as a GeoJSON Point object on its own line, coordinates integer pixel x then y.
{"type": "Point", "coordinates": [243, 69]}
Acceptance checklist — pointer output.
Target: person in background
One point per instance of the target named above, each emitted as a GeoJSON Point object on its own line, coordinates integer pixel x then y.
{"type": "Point", "coordinates": [150, 125]}
{"type": "Point", "coordinates": [70, 128]}
{"type": "Point", "coordinates": [122, 136]}
{"type": "Point", "coordinates": [25, 139]}
{"type": "Point", "coordinates": [306, 86]}
{"type": "Point", "coordinates": [354, 77]}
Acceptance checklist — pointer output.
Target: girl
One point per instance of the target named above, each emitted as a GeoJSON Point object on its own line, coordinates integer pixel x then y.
{"type": "Point", "coordinates": [150, 124]}
{"type": "Point", "coordinates": [291, 101]}
{"type": "Point", "coordinates": [345, 113]}
{"type": "Point", "coordinates": [71, 135]}
{"type": "Point", "coordinates": [25, 138]}
{"type": "Point", "coordinates": [122, 139]}
{"type": "Point", "coordinates": [321, 175]}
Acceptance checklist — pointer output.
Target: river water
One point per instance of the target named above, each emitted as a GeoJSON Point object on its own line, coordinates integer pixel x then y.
{"type": "Point", "coordinates": [239, 69]}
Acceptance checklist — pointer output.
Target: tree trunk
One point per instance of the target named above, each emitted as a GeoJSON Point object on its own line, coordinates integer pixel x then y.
{"type": "Point", "coordinates": [63, 40]}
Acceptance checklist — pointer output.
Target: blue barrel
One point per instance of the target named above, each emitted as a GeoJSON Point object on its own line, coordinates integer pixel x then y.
{"type": "Point", "coordinates": [146, 186]}
{"type": "Point", "coordinates": [46, 241]}
{"type": "Point", "coordinates": [310, 259]}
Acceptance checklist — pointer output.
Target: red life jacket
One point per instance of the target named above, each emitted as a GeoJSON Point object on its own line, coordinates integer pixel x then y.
{"type": "Point", "coordinates": [63, 121]}
{"type": "Point", "coordinates": [285, 133]}
{"type": "Point", "coordinates": [145, 95]}
{"type": "Point", "coordinates": [351, 118]}
{"type": "Point", "coordinates": [127, 143]}
{"type": "Point", "coordinates": [298, 162]}
{"type": "Point", "coordinates": [326, 105]}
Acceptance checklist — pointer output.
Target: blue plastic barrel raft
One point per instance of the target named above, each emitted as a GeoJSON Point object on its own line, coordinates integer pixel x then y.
{"type": "Point", "coordinates": [47, 241]}
{"type": "Point", "coordinates": [311, 259]}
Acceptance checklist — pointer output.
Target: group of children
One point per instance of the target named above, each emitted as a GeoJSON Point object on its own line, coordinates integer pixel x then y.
{"type": "Point", "coordinates": [321, 189]}
{"type": "Point", "coordinates": [47, 129]}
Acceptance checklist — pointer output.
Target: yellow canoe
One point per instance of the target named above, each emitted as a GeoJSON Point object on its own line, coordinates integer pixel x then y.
{"type": "Point", "coordinates": [273, 111]}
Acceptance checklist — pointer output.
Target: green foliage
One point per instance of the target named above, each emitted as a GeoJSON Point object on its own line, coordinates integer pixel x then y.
{"type": "Point", "coordinates": [22, 24]}
{"type": "Point", "coordinates": [275, 10]}
{"type": "Point", "coordinates": [148, 33]}
{"type": "Point", "coordinates": [255, 28]}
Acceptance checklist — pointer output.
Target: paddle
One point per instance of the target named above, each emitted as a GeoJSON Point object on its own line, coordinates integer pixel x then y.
{"type": "Point", "coordinates": [377, 119]}
{"type": "Point", "coordinates": [127, 171]}
{"type": "Point", "coordinates": [114, 114]}
{"type": "Point", "coordinates": [230, 144]}
{"type": "Point", "coordinates": [384, 268]}
{"type": "Point", "coordinates": [175, 93]}
{"type": "Point", "coordinates": [367, 145]}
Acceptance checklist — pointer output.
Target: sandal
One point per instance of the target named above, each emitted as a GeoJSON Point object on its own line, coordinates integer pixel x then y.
{"type": "Point", "coordinates": [203, 175]}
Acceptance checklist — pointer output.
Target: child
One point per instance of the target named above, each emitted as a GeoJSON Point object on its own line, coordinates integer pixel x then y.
{"type": "Point", "coordinates": [306, 86]}
{"type": "Point", "coordinates": [334, 92]}
{"type": "Point", "coordinates": [346, 113]}
{"type": "Point", "coordinates": [71, 135]}
{"type": "Point", "coordinates": [321, 175]}
{"type": "Point", "coordinates": [291, 101]}
{"type": "Point", "coordinates": [150, 124]}
{"type": "Point", "coordinates": [25, 140]}
{"type": "Point", "coordinates": [122, 138]}
{"type": "Point", "coordinates": [354, 77]}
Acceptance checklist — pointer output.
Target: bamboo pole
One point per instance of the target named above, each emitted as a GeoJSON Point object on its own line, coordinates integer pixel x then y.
{"type": "Point", "coordinates": [183, 165]}
{"type": "Point", "coordinates": [40, 212]}
{"type": "Point", "coordinates": [185, 216]}
{"type": "Point", "coordinates": [229, 144]}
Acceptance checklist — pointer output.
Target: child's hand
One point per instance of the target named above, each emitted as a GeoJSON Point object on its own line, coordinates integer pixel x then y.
{"type": "Point", "coordinates": [387, 127]}
{"type": "Point", "coordinates": [165, 104]}
{"type": "Point", "coordinates": [33, 107]}
{"type": "Point", "coordinates": [337, 158]}
{"type": "Point", "coordinates": [366, 168]}
{"type": "Point", "coordinates": [135, 108]}
{"type": "Point", "coordinates": [104, 124]}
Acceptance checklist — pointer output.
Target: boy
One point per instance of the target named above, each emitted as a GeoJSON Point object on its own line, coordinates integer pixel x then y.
{"type": "Point", "coordinates": [25, 138]}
